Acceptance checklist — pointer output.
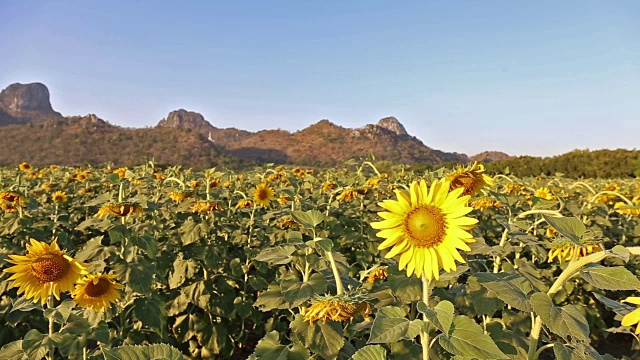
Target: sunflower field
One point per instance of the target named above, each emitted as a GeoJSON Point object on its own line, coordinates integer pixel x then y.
{"type": "Point", "coordinates": [285, 263]}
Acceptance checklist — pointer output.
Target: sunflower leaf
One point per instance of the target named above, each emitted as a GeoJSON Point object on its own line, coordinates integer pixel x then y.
{"type": "Point", "coordinates": [567, 321]}
{"type": "Point", "coordinates": [390, 325]}
{"type": "Point", "coordinates": [617, 307]}
{"type": "Point", "coordinates": [139, 352]}
{"type": "Point", "coordinates": [571, 227]}
{"type": "Point", "coordinates": [511, 288]}
{"type": "Point", "coordinates": [370, 352]}
{"type": "Point", "coordinates": [308, 219]}
{"type": "Point", "coordinates": [441, 315]}
{"type": "Point", "coordinates": [467, 339]}
{"type": "Point", "coordinates": [610, 278]}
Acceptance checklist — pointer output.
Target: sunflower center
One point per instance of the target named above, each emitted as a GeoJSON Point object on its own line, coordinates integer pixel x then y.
{"type": "Point", "coordinates": [425, 226]}
{"type": "Point", "coordinates": [97, 290]}
{"type": "Point", "coordinates": [49, 268]}
{"type": "Point", "coordinates": [263, 194]}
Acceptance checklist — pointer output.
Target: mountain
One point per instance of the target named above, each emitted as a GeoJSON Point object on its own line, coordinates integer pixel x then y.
{"type": "Point", "coordinates": [323, 143]}
{"type": "Point", "coordinates": [187, 138]}
{"type": "Point", "coordinates": [21, 103]}
{"type": "Point", "coordinates": [489, 156]}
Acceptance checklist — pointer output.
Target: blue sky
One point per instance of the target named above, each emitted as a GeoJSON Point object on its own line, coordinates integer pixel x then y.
{"type": "Point", "coordinates": [538, 78]}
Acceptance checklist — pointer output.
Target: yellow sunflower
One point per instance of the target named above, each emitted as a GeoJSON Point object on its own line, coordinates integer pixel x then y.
{"type": "Point", "coordinates": [564, 250]}
{"type": "Point", "coordinates": [263, 194]}
{"type": "Point", "coordinates": [471, 178]}
{"type": "Point", "coordinates": [623, 208]}
{"type": "Point", "coordinates": [24, 166]}
{"type": "Point", "coordinates": [244, 204]}
{"type": "Point", "coordinates": [328, 186]}
{"type": "Point", "coordinates": [379, 273]}
{"type": "Point", "coordinates": [544, 193]}
{"type": "Point", "coordinates": [59, 197]}
{"type": "Point", "coordinates": [634, 316]}
{"type": "Point", "coordinates": [426, 227]}
{"type": "Point", "coordinates": [347, 195]}
{"type": "Point", "coordinates": [12, 197]}
{"type": "Point", "coordinates": [206, 206]}
{"type": "Point", "coordinates": [44, 270]}
{"type": "Point", "coordinates": [336, 308]}
{"type": "Point", "coordinates": [97, 291]}
{"type": "Point", "coordinates": [485, 203]}
{"type": "Point", "coordinates": [120, 209]}
{"type": "Point", "coordinates": [179, 196]}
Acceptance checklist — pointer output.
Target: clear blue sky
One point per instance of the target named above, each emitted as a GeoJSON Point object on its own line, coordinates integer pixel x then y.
{"type": "Point", "coordinates": [524, 77]}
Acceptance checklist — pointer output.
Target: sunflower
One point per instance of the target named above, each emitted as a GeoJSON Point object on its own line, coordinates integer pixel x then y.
{"type": "Point", "coordinates": [53, 167]}
{"type": "Point", "coordinates": [263, 194]}
{"type": "Point", "coordinates": [12, 197]}
{"type": "Point", "coordinates": [565, 250]}
{"type": "Point", "coordinates": [485, 203]}
{"type": "Point", "coordinates": [634, 316]}
{"type": "Point", "coordinates": [373, 183]}
{"type": "Point", "coordinates": [24, 166]}
{"type": "Point", "coordinates": [120, 209]}
{"type": "Point", "coordinates": [347, 195]}
{"type": "Point", "coordinates": [244, 204]}
{"type": "Point", "coordinates": [59, 197]}
{"type": "Point", "coordinates": [179, 196]}
{"type": "Point", "coordinates": [551, 232]}
{"type": "Point", "coordinates": [471, 178]}
{"type": "Point", "coordinates": [44, 270]}
{"type": "Point", "coordinates": [121, 172]}
{"type": "Point", "coordinates": [206, 206]}
{"type": "Point", "coordinates": [97, 291]}
{"type": "Point", "coordinates": [287, 222]}
{"type": "Point", "coordinates": [282, 200]}
{"type": "Point", "coordinates": [336, 308]}
{"type": "Point", "coordinates": [379, 273]}
{"type": "Point", "coordinates": [623, 208]}
{"type": "Point", "coordinates": [227, 184]}
{"type": "Point", "coordinates": [544, 193]}
{"type": "Point", "coordinates": [426, 227]}
{"type": "Point", "coordinates": [328, 186]}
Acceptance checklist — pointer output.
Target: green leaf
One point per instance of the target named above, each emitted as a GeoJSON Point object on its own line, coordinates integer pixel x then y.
{"type": "Point", "coordinates": [182, 270]}
{"type": "Point", "coordinates": [407, 289]}
{"type": "Point", "coordinates": [137, 275]}
{"type": "Point", "coordinates": [93, 250]}
{"type": "Point", "coordinates": [271, 299]}
{"type": "Point", "coordinates": [621, 252]}
{"type": "Point", "coordinates": [324, 244]}
{"type": "Point", "coordinates": [24, 304]}
{"type": "Point", "coordinates": [269, 348]}
{"type": "Point", "coordinates": [566, 321]}
{"type": "Point", "coordinates": [441, 315]}
{"type": "Point", "coordinates": [571, 227]}
{"type": "Point", "coordinates": [278, 255]}
{"type": "Point", "coordinates": [61, 313]}
{"type": "Point", "coordinates": [370, 352]}
{"type": "Point", "coordinates": [13, 351]}
{"type": "Point", "coordinates": [297, 292]}
{"type": "Point", "coordinates": [191, 232]}
{"type": "Point", "coordinates": [389, 325]}
{"type": "Point", "coordinates": [325, 339]}
{"type": "Point", "coordinates": [151, 312]}
{"type": "Point", "coordinates": [138, 352]}
{"type": "Point", "coordinates": [308, 219]}
{"type": "Point", "coordinates": [617, 307]}
{"type": "Point", "coordinates": [610, 278]}
{"type": "Point", "coordinates": [467, 339]}
{"type": "Point", "coordinates": [511, 288]}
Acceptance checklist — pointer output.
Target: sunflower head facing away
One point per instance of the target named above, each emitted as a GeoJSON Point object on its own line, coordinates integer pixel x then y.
{"type": "Point", "coordinates": [244, 204]}
{"type": "Point", "coordinates": [565, 250]}
{"type": "Point", "coordinates": [263, 194]}
{"type": "Point", "coordinates": [471, 178]}
{"type": "Point", "coordinates": [202, 207]}
{"type": "Point", "coordinates": [347, 195]}
{"type": "Point", "coordinates": [97, 291]}
{"type": "Point", "coordinates": [43, 270]}
{"type": "Point", "coordinates": [485, 203]}
{"type": "Point", "coordinates": [25, 166]}
{"type": "Point", "coordinates": [336, 308]}
{"type": "Point", "coordinates": [120, 209]}
{"type": "Point", "coordinates": [179, 196]}
{"type": "Point", "coordinates": [12, 197]}
{"type": "Point", "coordinates": [377, 274]}
{"type": "Point", "coordinates": [426, 227]}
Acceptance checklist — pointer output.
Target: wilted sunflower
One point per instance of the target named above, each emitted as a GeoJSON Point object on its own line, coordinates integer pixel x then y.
{"type": "Point", "coordinates": [12, 197]}
{"type": "Point", "coordinates": [282, 200]}
{"type": "Point", "coordinates": [120, 209]}
{"type": "Point", "coordinates": [206, 206]}
{"type": "Point", "coordinates": [551, 232]}
{"type": "Point", "coordinates": [471, 178]}
{"type": "Point", "coordinates": [511, 188]}
{"type": "Point", "coordinates": [336, 308]}
{"type": "Point", "coordinates": [44, 270]}
{"type": "Point", "coordinates": [634, 316]}
{"type": "Point", "coordinates": [328, 186]}
{"type": "Point", "coordinates": [244, 204]}
{"type": "Point", "coordinates": [347, 195]}
{"type": "Point", "coordinates": [287, 222]}
{"type": "Point", "coordinates": [544, 193]}
{"type": "Point", "coordinates": [263, 194]}
{"type": "Point", "coordinates": [564, 250]}
{"type": "Point", "coordinates": [121, 172]}
{"type": "Point", "coordinates": [24, 166]}
{"type": "Point", "coordinates": [59, 197]}
{"type": "Point", "coordinates": [97, 291]}
{"type": "Point", "coordinates": [227, 184]}
{"type": "Point", "coordinates": [426, 227]}
{"type": "Point", "coordinates": [485, 203]}
{"type": "Point", "coordinates": [373, 183]}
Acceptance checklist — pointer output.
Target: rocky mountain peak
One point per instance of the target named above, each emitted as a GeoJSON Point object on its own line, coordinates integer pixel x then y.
{"type": "Point", "coordinates": [24, 99]}
{"type": "Point", "coordinates": [392, 124]}
{"type": "Point", "coordinates": [185, 119]}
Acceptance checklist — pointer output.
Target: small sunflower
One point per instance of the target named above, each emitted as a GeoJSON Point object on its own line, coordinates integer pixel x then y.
{"type": "Point", "coordinates": [59, 197]}
{"type": "Point", "coordinates": [97, 291]}
{"type": "Point", "coordinates": [25, 166]}
{"type": "Point", "coordinates": [120, 209]}
{"type": "Point", "coordinates": [287, 222]}
{"type": "Point", "coordinates": [12, 197]}
{"type": "Point", "coordinates": [328, 186]}
{"type": "Point", "coordinates": [564, 250]}
{"type": "Point", "coordinates": [284, 199]}
{"type": "Point", "coordinates": [373, 183]}
{"type": "Point", "coordinates": [206, 207]}
{"type": "Point", "coordinates": [544, 193]}
{"type": "Point", "coordinates": [347, 195]}
{"type": "Point", "coordinates": [227, 184]}
{"type": "Point", "coordinates": [215, 182]}
{"type": "Point", "coordinates": [244, 204]}
{"type": "Point", "coordinates": [44, 270]}
{"type": "Point", "coordinates": [379, 273]}
{"type": "Point", "coordinates": [121, 172]}
{"type": "Point", "coordinates": [511, 188]}
{"type": "Point", "coordinates": [551, 232]}
{"type": "Point", "coordinates": [471, 178]}
{"type": "Point", "coordinates": [336, 308]}
{"type": "Point", "coordinates": [634, 316]}
{"type": "Point", "coordinates": [263, 194]}
{"type": "Point", "coordinates": [179, 196]}
{"type": "Point", "coordinates": [426, 227]}
{"type": "Point", "coordinates": [49, 186]}
{"type": "Point", "coordinates": [623, 208]}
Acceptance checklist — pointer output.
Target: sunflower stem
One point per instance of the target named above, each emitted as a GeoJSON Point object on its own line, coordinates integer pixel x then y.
{"type": "Point", "coordinates": [336, 274]}
{"type": "Point", "coordinates": [51, 322]}
{"type": "Point", "coordinates": [424, 333]}
{"type": "Point", "coordinates": [121, 192]}
{"type": "Point", "coordinates": [498, 259]}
